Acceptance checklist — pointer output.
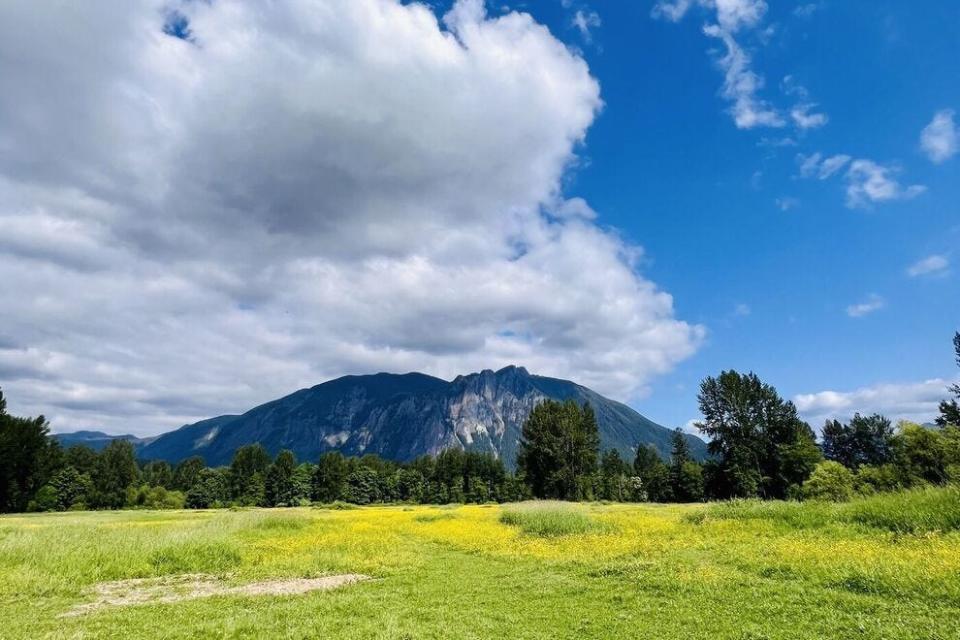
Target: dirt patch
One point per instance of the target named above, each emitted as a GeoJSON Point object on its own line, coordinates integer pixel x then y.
{"type": "Point", "coordinates": [121, 593]}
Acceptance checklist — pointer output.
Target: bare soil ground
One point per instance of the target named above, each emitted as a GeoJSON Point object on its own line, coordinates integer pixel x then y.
{"type": "Point", "coordinates": [188, 586]}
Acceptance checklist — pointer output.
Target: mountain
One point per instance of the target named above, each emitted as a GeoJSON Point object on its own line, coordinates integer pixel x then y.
{"type": "Point", "coordinates": [403, 416]}
{"type": "Point", "coordinates": [97, 440]}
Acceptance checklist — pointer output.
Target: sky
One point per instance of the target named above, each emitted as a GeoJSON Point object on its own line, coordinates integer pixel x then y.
{"type": "Point", "coordinates": [208, 205]}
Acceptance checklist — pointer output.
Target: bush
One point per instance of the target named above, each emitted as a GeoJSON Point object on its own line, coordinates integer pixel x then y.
{"type": "Point", "coordinates": [829, 481]}
{"type": "Point", "coordinates": [44, 500]}
{"type": "Point", "coordinates": [144, 497]}
{"type": "Point", "coordinates": [548, 519]}
{"type": "Point", "coordinates": [872, 479]}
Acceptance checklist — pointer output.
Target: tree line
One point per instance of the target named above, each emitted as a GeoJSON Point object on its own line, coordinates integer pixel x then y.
{"type": "Point", "coordinates": [758, 445]}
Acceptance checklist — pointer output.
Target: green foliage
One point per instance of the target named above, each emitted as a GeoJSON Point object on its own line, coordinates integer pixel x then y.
{"type": "Point", "coordinates": [147, 497]}
{"type": "Point", "coordinates": [686, 476]}
{"type": "Point", "coordinates": [865, 440]}
{"type": "Point", "coordinates": [187, 473]}
{"type": "Point", "coordinates": [82, 458]}
{"type": "Point", "coordinates": [28, 458]}
{"type": "Point", "coordinates": [247, 470]}
{"type": "Point", "coordinates": [762, 447]}
{"type": "Point", "coordinates": [559, 446]}
{"type": "Point", "coordinates": [115, 471]}
{"type": "Point", "coordinates": [44, 500]}
{"type": "Point", "coordinates": [615, 476]}
{"type": "Point", "coordinates": [872, 479]}
{"type": "Point", "coordinates": [363, 486]}
{"type": "Point", "coordinates": [330, 477]}
{"type": "Point", "coordinates": [654, 475]}
{"type": "Point", "coordinates": [279, 487]}
{"type": "Point", "coordinates": [158, 473]}
{"type": "Point", "coordinates": [211, 488]}
{"type": "Point", "coordinates": [688, 484]}
{"type": "Point", "coordinates": [549, 519]}
{"type": "Point", "coordinates": [72, 488]}
{"type": "Point", "coordinates": [950, 409]}
{"type": "Point", "coordinates": [920, 454]}
{"type": "Point", "coordinates": [830, 480]}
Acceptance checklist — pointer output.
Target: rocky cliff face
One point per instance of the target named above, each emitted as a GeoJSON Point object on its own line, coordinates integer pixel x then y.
{"type": "Point", "coordinates": [403, 416]}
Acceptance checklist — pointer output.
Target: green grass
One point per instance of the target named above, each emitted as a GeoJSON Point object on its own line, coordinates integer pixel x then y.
{"type": "Point", "coordinates": [917, 511]}
{"type": "Point", "coordinates": [548, 519]}
{"type": "Point", "coordinates": [886, 567]}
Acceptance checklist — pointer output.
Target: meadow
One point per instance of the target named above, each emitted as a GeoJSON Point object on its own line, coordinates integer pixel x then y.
{"type": "Point", "coordinates": [881, 567]}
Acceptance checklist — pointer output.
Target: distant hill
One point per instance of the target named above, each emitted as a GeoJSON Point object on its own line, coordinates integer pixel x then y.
{"type": "Point", "coordinates": [400, 417]}
{"type": "Point", "coordinates": [97, 440]}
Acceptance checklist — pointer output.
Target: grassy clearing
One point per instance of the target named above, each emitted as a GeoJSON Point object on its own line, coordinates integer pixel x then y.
{"type": "Point", "coordinates": [732, 571]}
{"type": "Point", "coordinates": [549, 519]}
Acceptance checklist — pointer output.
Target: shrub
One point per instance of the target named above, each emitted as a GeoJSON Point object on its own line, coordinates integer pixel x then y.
{"type": "Point", "coordinates": [144, 497]}
{"type": "Point", "coordinates": [829, 481]}
{"type": "Point", "coordinates": [873, 479]}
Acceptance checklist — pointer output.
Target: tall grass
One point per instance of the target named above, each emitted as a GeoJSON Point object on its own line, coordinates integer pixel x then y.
{"type": "Point", "coordinates": [549, 519]}
{"type": "Point", "coordinates": [915, 511]}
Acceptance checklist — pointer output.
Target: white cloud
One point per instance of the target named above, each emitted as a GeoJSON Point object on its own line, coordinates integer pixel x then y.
{"type": "Point", "coordinates": [869, 183]}
{"type": "Point", "coordinates": [742, 310]}
{"type": "Point", "coordinates": [806, 10]}
{"type": "Point", "coordinates": [584, 21]}
{"type": "Point", "coordinates": [832, 165]}
{"type": "Point", "coordinates": [872, 303]}
{"type": "Point", "coordinates": [916, 401]}
{"type": "Point", "coordinates": [939, 139]}
{"type": "Point", "coordinates": [816, 165]}
{"type": "Point", "coordinates": [305, 189]}
{"type": "Point", "coordinates": [741, 84]}
{"type": "Point", "coordinates": [672, 11]}
{"type": "Point", "coordinates": [804, 119]}
{"type": "Point", "coordinates": [931, 265]}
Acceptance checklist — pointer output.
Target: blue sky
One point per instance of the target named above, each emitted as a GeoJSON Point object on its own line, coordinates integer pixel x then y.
{"type": "Point", "coordinates": [208, 205]}
{"type": "Point", "coordinates": [667, 166]}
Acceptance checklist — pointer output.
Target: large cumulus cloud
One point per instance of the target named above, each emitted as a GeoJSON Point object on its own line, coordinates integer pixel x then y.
{"type": "Point", "coordinates": [200, 218]}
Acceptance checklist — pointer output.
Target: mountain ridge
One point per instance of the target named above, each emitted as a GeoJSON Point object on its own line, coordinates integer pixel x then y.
{"type": "Point", "coordinates": [402, 416]}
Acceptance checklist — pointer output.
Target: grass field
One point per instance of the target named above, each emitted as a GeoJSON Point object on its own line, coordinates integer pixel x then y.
{"type": "Point", "coordinates": [739, 570]}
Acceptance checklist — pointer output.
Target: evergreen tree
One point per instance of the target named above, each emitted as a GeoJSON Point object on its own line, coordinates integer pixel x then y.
{"type": "Point", "coordinates": [82, 458]}
{"type": "Point", "coordinates": [210, 488]}
{"type": "Point", "coordinates": [950, 409]}
{"type": "Point", "coordinates": [686, 476]}
{"type": "Point", "coordinates": [28, 458]}
{"type": "Point", "coordinates": [558, 452]}
{"type": "Point", "coordinates": [247, 470]}
{"type": "Point", "coordinates": [614, 477]}
{"type": "Point", "coordinates": [158, 473]}
{"type": "Point", "coordinates": [187, 473]}
{"type": "Point", "coordinates": [653, 473]}
{"type": "Point", "coordinates": [279, 488]}
{"type": "Point", "coordinates": [115, 471]}
{"type": "Point", "coordinates": [330, 477]}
